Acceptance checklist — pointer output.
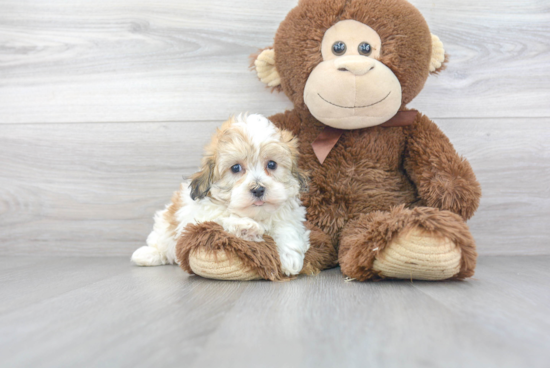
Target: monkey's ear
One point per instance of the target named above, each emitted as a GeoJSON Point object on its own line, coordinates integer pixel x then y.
{"type": "Point", "coordinates": [438, 60]}
{"type": "Point", "coordinates": [264, 63]}
{"type": "Point", "coordinates": [202, 180]}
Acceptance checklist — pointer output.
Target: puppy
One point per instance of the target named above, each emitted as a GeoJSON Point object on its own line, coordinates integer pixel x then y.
{"type": "Point", "coordinates": [250, 184]}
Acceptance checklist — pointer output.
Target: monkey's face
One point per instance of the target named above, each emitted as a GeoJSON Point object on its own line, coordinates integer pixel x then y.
{"type": "Point", "coordinates": [351, 88]}
{"type": "Point", "coordinates": [351, 63]}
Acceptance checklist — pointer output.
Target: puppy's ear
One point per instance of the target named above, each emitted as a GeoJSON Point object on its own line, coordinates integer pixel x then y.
{"type": "Point", "coordinates": [301, 175]}
{"type": "Point", "coordinates": [202, 180]}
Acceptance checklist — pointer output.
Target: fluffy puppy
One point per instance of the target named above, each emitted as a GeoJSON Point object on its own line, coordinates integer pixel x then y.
{"type": "Point", "coordinates": [250, 184]}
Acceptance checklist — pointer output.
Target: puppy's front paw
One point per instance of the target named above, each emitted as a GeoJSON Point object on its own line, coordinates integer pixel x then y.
{"type": "Point", "coordinates": [251, 231]}
{"type": "Point", "coordinates": [246, 229]}
{"type": "Point", "coordinates": [147, 256]}
{"type": "Point", "coordinates": [291, 262]}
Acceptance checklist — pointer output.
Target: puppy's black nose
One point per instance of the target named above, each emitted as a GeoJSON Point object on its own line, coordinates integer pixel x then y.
{"type": "Point", "coordinates": [258, 191]}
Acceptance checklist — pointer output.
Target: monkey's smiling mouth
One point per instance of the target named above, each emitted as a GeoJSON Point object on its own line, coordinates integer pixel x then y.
{"type": "Point", "coordinates": [353, 107]}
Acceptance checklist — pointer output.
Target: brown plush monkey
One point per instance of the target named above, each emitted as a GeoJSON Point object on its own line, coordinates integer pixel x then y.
{"type": "Point", "coordinates": [389, 196]}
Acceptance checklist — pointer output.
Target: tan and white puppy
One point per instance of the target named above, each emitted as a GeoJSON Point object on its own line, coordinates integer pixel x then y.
{"type": "Point", "coordinates": [250, 184]}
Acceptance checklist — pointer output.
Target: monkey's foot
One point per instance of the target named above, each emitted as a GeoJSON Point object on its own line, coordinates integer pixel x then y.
{"type": "Point", "coordinates": [419, 255]}
{"type": "Point", "coordinates": [422, 244]}
{"type": "Point", "coordinates": [219, 265]}
{"type": "Point", "coordinates": [207, 250]}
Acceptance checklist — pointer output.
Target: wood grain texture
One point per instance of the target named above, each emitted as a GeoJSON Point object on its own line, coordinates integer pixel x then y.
{"type": "Point", "coordinates": [128, 317]}
{"type": "Point", "coordinates": [511, 159]}
{"type": "Point", "coordinates": [79, 188]}
{"type": "Point", "coordinates": [166, 60]}
{"type": "Point", "coordinates": [92, 189]}
{"type": "Point", "coordinates": [142, 317]}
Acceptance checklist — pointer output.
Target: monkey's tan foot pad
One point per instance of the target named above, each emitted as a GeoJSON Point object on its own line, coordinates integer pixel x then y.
{"type": "Point", "coordinates": [218, 265]}
{"type": "Point", "coordinates": [419, 255]}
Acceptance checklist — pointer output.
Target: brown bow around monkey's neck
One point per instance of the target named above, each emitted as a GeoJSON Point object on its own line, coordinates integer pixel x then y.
{"type": "Point", "coordinates": [329, 136]}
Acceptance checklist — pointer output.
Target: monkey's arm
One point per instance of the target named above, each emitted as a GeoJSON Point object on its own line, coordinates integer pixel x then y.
{"type": "Point", "coordinates": [288, 120]}
{"type": "Point", "coordinates": [443, 179]}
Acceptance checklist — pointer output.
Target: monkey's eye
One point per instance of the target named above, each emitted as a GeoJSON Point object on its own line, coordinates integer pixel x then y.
{"type": "Point", "coordinates": [338, 48]}
{"type": "Point", "coordinates": [364, 49]}
{"type": "Point", "coordinates": [236, 168]}
{"type": "Point", "coordinates": [271, 165]}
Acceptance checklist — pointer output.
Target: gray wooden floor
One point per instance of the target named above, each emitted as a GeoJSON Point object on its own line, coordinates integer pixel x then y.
{"type": "Point", "coordinates": [103, 312]}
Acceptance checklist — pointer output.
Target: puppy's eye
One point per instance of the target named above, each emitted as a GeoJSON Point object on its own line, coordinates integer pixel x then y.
{"type": "Point", "coordinates": [364, 49]}
{"type": "Point", "coordinates": [271, 165]}
{"type": "Point", "coordinates": [236, 168]}
{"type": "Point", "coordinates": [338, 48]}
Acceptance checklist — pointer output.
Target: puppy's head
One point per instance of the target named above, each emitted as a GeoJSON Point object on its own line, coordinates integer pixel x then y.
{"type": "Point", "coordinates": [251, 166]}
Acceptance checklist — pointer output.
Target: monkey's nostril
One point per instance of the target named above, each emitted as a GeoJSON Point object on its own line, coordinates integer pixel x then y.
{"type": "Point", "coordinates": [342, 69]}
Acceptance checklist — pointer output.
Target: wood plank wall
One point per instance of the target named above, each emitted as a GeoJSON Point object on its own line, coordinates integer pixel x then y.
{"type": "Point", "coordinates": [105, 104]}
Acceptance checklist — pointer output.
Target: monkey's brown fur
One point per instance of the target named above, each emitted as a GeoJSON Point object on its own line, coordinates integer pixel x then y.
{"type": "Point", "coordinates": [376, 182]}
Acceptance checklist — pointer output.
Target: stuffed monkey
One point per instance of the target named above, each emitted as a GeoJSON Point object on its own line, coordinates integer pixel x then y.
{"type": "Point", "coordinates": [389, 196]}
